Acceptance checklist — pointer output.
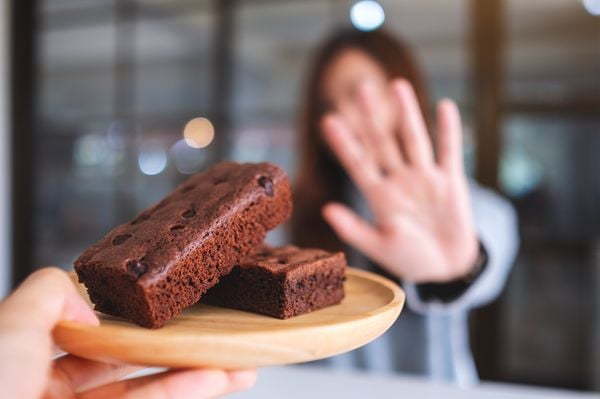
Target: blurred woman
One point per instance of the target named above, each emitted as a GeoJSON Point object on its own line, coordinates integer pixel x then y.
{"type": "Point", "coordinates": [375, 181]}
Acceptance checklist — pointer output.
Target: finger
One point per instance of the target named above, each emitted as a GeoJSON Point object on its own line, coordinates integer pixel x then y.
{"type": "Point", "coordinates": [359, 165]}
{"type": "Point", "coordinates": [184, 384]}
{"type": "Point", "coordinates": [450, 151]}
{"type": "Point", "coordinates": [412, 129]}
{"type": "Point", "coordinates": [354, 121]}
{"type": "Point", "coordinates": [385, 146]}
{"type": "Point", "coordinates": [77, 374]}
{"type": "Point", "coordinates": [351, 228]}
{"type": "Point", "coordinates": [44, 298]}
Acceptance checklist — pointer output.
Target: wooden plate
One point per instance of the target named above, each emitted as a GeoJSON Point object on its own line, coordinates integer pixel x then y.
{"type": "Point", "coordinates": [209, 336]}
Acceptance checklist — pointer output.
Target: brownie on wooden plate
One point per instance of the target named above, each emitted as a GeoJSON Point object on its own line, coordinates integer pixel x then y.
{"type": "Point", "coordinates": [282, 282]}
{"type": "Point", "coordinates": [164, 260]}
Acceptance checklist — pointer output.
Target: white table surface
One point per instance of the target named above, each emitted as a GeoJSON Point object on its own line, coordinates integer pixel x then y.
{"type": "Point", "coordinates": [310, 382]}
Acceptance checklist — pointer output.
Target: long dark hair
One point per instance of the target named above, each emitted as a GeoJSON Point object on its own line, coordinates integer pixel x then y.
{"type": "Point", "coordinates": [320, 178]}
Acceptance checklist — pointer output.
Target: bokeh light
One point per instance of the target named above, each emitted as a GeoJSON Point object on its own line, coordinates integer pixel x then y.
{"type": "Point", "coordinates": [592, 6]}
{"type": "Point", "coordinates": [187, 159]}
{"type": "Point", "coordinates": [152, 159]}
{"type": "Point", "coordinates": [520, 173]}
{"type": "Point", "coordinates": [91, 149]}
{"type": "Point", "coordinates": [367, 15]}
{"type": "Point", "coordinates": [198, 133]}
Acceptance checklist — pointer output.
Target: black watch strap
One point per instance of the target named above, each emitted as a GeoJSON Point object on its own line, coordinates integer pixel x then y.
{"type": "Point", "coordinates": [449, 291]}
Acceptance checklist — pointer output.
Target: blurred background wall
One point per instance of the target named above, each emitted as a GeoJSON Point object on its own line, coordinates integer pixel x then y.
{"type": "Point", "coordinates": [102, 90]}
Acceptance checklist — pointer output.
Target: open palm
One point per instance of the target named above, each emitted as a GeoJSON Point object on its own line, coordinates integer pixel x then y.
{"type": "Point", "coordinates": [423, 229]}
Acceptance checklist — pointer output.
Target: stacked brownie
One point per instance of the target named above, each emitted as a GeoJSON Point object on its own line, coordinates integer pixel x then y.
{"type": "Point", "coordinates": [170, 255]}
{"type": "Point", "coordinates": [283, 282]}
{"type": "Point", "coordinates": [163, 261]}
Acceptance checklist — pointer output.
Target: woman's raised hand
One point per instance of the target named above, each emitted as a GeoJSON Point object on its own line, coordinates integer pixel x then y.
{"type": "Point", "coordinates": [423, 229]}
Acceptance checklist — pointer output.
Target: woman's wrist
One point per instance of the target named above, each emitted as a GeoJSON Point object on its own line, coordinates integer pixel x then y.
{"type": "Point", "coordinates": [477, 265]}
{"type": "Point", "coordinates": [465, 268]}
{"type": "Point", "coordinates": [451, 290]}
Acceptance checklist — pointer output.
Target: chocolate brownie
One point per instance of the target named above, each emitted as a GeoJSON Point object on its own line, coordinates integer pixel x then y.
{"type": "Point", "coordinates": [282, 282]}
{"type": "Point", "coordinates": [164, 260]}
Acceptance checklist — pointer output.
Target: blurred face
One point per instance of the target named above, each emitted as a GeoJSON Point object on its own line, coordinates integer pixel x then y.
{"type": "Point", "coordinates": [348, 76]}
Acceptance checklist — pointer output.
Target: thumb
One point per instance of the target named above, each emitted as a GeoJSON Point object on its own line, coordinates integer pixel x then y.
{"type": "Point", "coordinates": [27, 318]}
{"type": "Point", "coordinates": [43, 299]}
{"type": "Point", "coordinates": [351, 228]}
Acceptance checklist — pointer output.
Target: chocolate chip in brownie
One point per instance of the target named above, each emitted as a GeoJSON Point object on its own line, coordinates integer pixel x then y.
{"type": "Point", "coordinates": [137, 268]}
{"type": "Point", "coordinates": [267, 184]}
{"type": "Point", "coordinates": [190, 213]}
{"type": "Point", "coordinates": [177, 227]}
{"type": "Point", "coordinates": [121, 238]}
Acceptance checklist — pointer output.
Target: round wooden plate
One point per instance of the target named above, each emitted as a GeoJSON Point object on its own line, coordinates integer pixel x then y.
{"type": "Point", "coordinates": [209, 336]}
